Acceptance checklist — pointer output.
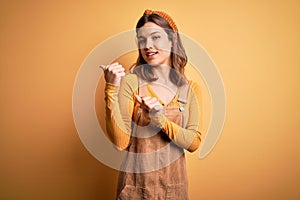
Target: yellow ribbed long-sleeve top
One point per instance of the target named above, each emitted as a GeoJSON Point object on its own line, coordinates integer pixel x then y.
{"type": "Point", "coordinates": [120, 102]}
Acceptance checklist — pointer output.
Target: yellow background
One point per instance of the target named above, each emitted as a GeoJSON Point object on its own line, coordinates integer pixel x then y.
{"type": "Point", "coordinates": [255, 45]}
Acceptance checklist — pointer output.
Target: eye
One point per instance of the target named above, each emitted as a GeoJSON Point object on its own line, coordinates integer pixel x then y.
{"type": "Point", "coordinates": [142, 40]}
{"type": "Point", "coordinates": [156, 37]}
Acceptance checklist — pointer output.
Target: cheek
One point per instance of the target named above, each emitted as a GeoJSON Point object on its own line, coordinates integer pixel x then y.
{"type": "Point", "coordinates": [164, 45]}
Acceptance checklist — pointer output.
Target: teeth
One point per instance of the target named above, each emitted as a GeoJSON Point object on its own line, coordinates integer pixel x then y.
{"type": "Point", "coordinates": [150, 54]}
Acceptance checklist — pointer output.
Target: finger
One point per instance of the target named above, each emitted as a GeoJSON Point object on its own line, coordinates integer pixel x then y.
{"type": "Point", "coordinates": [114, 64]}
{"type": "Point", "coordinates": [139, 99]}
{"type": "Point", "coordinates": [122, 74]}
{"type": "Point", "coordinates": [157, 108]}
{"type": "Point", "coordinates": [118, 70]}
{"type": "Point", "coordinates": [103, 67]}
{"type": "Point", "coordinates": [115, 67]}
{"type": "Point", "coordinates": [146, 98]}
{"type": "Point", "coordinates": [155, 105]}
{"type": "Point", "coordinates": [150, 101]}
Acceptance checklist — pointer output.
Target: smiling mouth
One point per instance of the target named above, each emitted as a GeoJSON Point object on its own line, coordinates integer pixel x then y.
{"type": "Point", "coordinates": [151, 54]}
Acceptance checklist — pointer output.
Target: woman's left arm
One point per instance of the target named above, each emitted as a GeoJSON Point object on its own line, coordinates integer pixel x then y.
{"type": "Point", "coordinates": [189, 137]}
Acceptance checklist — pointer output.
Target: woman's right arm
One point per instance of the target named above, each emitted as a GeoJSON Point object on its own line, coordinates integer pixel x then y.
{"type": "Point", "coordinates": [119, 98]}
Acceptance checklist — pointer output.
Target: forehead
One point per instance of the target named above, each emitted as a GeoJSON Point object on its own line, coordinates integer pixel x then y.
{"type": "Point", "coordinates": [150, 28]}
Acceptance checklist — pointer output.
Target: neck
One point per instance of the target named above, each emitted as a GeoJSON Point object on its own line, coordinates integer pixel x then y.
{"type": "Point", "coordinates": [162, 72]}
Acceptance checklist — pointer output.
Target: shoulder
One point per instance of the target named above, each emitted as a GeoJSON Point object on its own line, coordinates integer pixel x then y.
{"type": "Point", "coordinates": [193, 85]}
{"type": "Point", "coordinates": [130, 81]}
{"type": "Point", "coordinates": [131, 78]}
{"type": "Point", "coordinates": [194, 88]}
{"type": "Point", "coordinates": [189, 91]}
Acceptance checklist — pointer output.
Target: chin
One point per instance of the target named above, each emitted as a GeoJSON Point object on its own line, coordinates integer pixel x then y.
{"type": "Point", "coordinates": [153, 63]}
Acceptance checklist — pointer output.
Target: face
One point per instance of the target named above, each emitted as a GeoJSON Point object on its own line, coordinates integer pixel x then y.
{"type": "Point", "coordinates": [154, 44]}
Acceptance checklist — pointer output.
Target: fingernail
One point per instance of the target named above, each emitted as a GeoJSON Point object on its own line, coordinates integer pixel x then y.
{"type": "Point", "coordinates": [103, 67]}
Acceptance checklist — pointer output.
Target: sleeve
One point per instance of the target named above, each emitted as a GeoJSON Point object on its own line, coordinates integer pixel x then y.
{"type": "Point", "coordinates": [188, 137]}
{"type": "Point", "coordinates": [119, 109]}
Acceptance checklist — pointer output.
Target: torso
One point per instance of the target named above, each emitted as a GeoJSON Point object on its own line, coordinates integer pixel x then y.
{"type": "Point", "coordinates": [154, 167]}
{"type": "Point", "coordinates": [164, 92]}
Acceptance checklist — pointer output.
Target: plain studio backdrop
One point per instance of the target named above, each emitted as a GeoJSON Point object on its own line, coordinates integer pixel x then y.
{"type": "Point", "coordinates": [255, 45]}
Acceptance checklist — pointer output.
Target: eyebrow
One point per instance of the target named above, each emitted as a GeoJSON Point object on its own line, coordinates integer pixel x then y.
{"type": "Point", "coordinates": [150, 34]}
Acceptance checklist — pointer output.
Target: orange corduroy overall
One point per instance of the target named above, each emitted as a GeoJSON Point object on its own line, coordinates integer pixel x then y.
{"type": "Point", "coordinates": [154, 167]}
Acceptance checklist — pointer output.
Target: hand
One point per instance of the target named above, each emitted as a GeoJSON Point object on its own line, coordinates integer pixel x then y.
{"type": "Point", "coordinates": [113, 73]}
{"type": "Point", "coordinates": [150, 105]}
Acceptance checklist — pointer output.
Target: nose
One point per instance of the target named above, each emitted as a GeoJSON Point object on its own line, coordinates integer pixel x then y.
{"type": "Point", "coordinates": [148, 44]}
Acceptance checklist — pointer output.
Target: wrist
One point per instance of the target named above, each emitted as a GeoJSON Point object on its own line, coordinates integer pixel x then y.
{"type": "Point", "coordinates": [158, 120]}
{"type": "Point", "coordinates": [111, 88]}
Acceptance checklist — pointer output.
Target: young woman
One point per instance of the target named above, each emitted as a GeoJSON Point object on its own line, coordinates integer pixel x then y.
{"type": "Point", "coordinates": [153, 113]}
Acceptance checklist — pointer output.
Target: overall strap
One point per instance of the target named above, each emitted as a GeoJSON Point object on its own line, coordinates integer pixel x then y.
{"type": "Point", "coordinates": [183, 93]}
{"type": "Point", "coordinates": [182, 99]}
{"type": "Point", "coordinates": [182, 96]}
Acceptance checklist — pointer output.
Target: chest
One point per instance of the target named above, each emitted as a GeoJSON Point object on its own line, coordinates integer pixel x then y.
{"type": "Point", "coordinates": [163, 92]}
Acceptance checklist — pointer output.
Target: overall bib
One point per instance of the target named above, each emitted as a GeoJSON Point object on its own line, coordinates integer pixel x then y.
{"type": "Point", "coordinates": [154, 167]}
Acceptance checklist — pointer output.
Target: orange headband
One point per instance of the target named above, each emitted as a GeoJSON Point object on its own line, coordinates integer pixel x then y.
{"type": "Point", "coordinates": [163, 15]}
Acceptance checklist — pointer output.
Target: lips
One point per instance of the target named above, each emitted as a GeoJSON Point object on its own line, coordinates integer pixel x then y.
{"type": "Point", "coordinates": [151, 54]}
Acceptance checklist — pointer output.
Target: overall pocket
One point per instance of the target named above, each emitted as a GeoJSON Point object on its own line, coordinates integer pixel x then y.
{"type": "Point", "coordinates": [176, 192]}
{"type": "Point", "coordinates": [130, 192]}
